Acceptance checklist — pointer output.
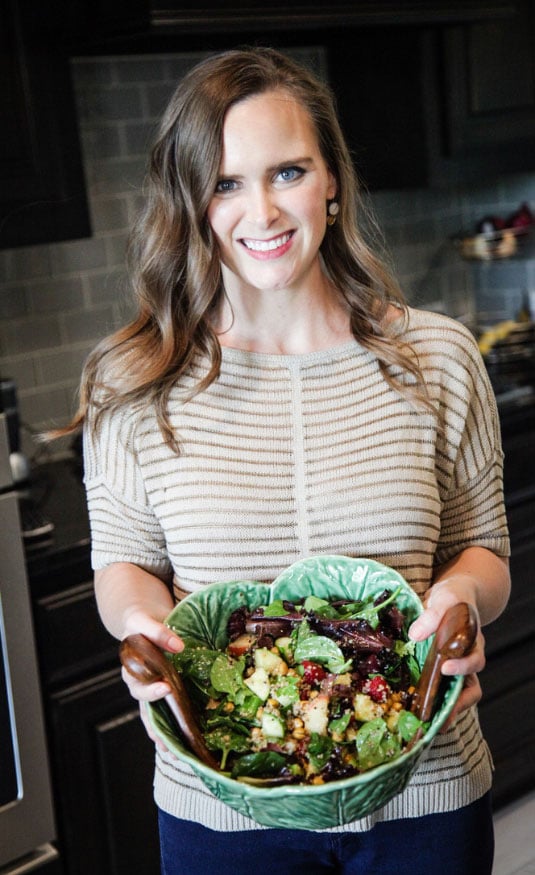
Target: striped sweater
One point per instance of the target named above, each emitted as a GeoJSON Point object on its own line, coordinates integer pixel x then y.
{"type": "Point", "coordinates": [284, 457]}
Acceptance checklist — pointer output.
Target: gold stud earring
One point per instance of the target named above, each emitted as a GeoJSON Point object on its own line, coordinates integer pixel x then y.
{"type": "Point", "coordinates": [332, 210]}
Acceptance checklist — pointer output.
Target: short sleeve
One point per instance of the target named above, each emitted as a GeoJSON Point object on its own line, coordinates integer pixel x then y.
{"type": "Point", "coordinates": [123, 525]}
{"type": "Point", "coordinates": [473, 509]}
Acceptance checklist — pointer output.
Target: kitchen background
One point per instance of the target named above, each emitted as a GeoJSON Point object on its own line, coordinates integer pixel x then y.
{"type": "Point", "coordinates": [450, 104]}
{"type": "Point", "coordinates": [57, 300]}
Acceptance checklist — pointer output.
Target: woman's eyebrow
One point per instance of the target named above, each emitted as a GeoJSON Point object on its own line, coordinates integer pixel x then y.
{"type": "Point", "coordinates": [290, 162]}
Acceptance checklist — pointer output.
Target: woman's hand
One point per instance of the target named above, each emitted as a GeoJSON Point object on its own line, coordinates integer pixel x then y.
{"type": "Point", "coordinates": [480, 578]}
{"type": "Point", "coordinates": [436, 605]}
{"type": "Point", "coordinates": [132, 601]}
{"type": "Point", "coordinates": [164, 638]}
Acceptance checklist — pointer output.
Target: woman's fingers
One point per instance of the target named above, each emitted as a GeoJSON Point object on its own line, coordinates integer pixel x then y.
{"type": "Point", "coordinates": [470, 695]}
{"type": "Point", "coordinates": [145, 692]}
{"type": "Point", "coordinates": [471, 664]}
{"type": "Point", "coordinates": [141, 623]}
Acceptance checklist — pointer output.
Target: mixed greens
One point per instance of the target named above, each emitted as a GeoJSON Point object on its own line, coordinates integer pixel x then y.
{"type": "Point", "coordinates": [307, 691]}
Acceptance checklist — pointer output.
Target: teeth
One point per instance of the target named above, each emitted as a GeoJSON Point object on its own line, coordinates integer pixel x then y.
{"type": "Point", "coordinates": [267, 245]}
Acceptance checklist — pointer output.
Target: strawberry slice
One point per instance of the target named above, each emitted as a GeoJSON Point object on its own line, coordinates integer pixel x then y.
{"type": "Point", "coordinates": [377, 688]}
{"type": "Point", "coordinates": [312, 672]}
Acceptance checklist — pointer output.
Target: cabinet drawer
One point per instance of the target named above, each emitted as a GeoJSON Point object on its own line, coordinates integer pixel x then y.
{"type": "Point", "coordinates": [508, 724]}
{"type": "Point", "coordinates": [71, 639]}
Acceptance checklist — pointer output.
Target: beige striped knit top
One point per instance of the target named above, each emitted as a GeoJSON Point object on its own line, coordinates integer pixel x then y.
{"type": "Point", "coordinates": [284, 457]}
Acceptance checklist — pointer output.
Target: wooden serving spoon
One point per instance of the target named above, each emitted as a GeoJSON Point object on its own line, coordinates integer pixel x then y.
{"type": "Point", "coordinates": [454, 638]}
{"type": "Point", "coordinates": [148, 664]}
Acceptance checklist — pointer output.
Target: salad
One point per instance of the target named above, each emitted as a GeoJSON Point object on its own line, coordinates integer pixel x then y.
{"type": "Point", "coordinates": [306, 691]}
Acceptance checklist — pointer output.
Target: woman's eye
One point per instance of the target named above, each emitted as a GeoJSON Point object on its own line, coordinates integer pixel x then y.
{"type": "Point", "coordinates": [225, 185]}
{"type": "Point", "coordinates": [290, 174]}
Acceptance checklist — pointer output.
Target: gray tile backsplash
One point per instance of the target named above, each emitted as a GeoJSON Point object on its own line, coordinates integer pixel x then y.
{"type": "Point", "coordinates": [57, 300]}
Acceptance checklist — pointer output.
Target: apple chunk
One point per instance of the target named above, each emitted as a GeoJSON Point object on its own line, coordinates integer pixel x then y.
{"type": "Point", "coordinates": [241, 645]}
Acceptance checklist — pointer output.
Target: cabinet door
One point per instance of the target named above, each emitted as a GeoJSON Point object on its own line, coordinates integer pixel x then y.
{"type": "Point", "coordinates": [483, 103]}
{"type": "Point", "coordinates": [508, 720]}
{"type": "Point", "coordinates": [42, 191]}
{"type": "Point", "coordinates": [376, 74]}
{"type": "Point", "coordinates": [71, 638]}
{"type": "Point", "coordinates": [103, 769]}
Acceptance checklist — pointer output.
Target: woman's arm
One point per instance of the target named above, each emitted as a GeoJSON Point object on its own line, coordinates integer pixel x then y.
{"type": "Point", "coordinates": [480, 577]}
{"type": "Point", "coordinates": [130, 600]}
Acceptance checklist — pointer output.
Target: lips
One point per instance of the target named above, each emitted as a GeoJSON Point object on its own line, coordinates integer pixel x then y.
{"type": "Point", "coordinates": [267, 246]}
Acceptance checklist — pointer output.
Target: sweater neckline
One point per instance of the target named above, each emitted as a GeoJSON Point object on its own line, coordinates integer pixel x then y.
{"type": "Point", "coordinates": [236, 356]}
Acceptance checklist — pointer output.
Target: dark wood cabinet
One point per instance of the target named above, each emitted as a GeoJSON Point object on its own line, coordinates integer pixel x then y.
{"type": "Point", "coordinates": [102, 761]}
{"type": "Point", "coordinates": [42, 190]}
{"type": "Point", "coordinates": [508, 683]}
{"type": "Point", "coordinates": [429, 93]}
{"type": "Point", "coordinates": [480, 97]}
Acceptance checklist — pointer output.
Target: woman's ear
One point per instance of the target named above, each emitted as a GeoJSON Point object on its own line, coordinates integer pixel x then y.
{"type": "Point", "coordinates": [333, 187]}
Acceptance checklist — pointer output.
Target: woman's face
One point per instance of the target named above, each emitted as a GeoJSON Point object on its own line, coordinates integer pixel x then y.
{"type": "Point", "coordinates": [269, 210]}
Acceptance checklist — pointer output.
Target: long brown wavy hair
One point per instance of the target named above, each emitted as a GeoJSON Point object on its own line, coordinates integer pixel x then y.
{"type": "Point", "coordinates": [174, 261]}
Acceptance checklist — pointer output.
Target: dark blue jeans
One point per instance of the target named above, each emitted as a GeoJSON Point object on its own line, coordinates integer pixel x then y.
{"type": "Point", "coordinates": [457, 843]}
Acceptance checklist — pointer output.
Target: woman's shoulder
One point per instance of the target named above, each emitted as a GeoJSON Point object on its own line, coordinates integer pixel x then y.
{"type": "Point", "coordinates": [433, 332]}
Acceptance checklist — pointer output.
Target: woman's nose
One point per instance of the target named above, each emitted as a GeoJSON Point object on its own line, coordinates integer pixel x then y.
{"type": "Point", "coordinates": [263, 209]}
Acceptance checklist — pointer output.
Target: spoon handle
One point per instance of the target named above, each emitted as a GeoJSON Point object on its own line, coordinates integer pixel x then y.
{"type": "Point", "coordinates": [454, 638]}
{"type": "Point", "coordinates": [147, 663]}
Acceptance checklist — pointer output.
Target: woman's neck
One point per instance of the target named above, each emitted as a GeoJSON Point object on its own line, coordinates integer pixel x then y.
{"type": "Point", "coordinates": [283, 323]}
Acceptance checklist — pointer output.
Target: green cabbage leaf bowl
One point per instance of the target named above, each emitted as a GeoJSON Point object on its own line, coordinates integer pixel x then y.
{"type": "Point", "coordinates": [203, 616]}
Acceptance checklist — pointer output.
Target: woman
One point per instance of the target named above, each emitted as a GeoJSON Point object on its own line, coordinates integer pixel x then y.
{"type": "Point", "coordinates": [275, 398]}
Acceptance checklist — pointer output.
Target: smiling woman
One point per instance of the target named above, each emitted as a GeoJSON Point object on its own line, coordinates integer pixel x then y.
{"type": "Point", "coordinates": [273, 400]}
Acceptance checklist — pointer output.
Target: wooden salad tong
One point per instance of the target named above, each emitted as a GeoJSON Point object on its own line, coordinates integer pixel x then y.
{"type": "Point", "coordinates": [454, 638]}
{"type": "Point", "coordinates": [148, 664]}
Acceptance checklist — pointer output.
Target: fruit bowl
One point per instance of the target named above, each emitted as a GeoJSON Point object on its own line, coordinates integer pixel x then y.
{"type": "Point", "coordinates": [203, 615]}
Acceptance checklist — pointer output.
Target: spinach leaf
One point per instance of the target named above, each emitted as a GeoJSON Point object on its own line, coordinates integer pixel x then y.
{"type": "Point", "coordinates": [370, 613]}
{"type": "Point", "coordinates": [195, 663]}
{"type": "Point", "coordinates": [247, 704]}
{"type": "Point", "coordinates": [319, 751]}
{"type": "Point", "coordinates": [275, 609]}
{"type": "Point", "coordinates": [264, 764]}
{"type": "Point", "coordinates": [319, 648]}
{"type": "Point", "coordinates": [339, 725]}
{"type": "Point", "coordinates": [407, 725]}
{"type": "Point", "coordinates": [226, 740]}
{"type": "Point", "coordinates": [320, 607]}
{"type": "Point", "coordinates": [226, 674]}
{"type": "Point", "coordinates": [286, 690]}
{"type": "Point", "coordinates": [375, 744]}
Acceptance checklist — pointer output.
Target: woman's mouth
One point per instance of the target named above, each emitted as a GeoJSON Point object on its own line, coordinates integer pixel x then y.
{"type": "Point", "coordinates": [272, 248]}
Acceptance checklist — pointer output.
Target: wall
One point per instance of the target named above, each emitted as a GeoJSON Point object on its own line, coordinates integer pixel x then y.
{"type": "Point", "coordinates": [57, 300]}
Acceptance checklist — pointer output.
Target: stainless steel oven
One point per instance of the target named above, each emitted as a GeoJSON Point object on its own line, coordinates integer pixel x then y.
{"type": "Point", "coordinates": [26, 810]}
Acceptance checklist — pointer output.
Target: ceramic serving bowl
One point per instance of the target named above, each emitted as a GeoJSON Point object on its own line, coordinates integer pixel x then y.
{"type": "Point", "coordinates": [203, 616]}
